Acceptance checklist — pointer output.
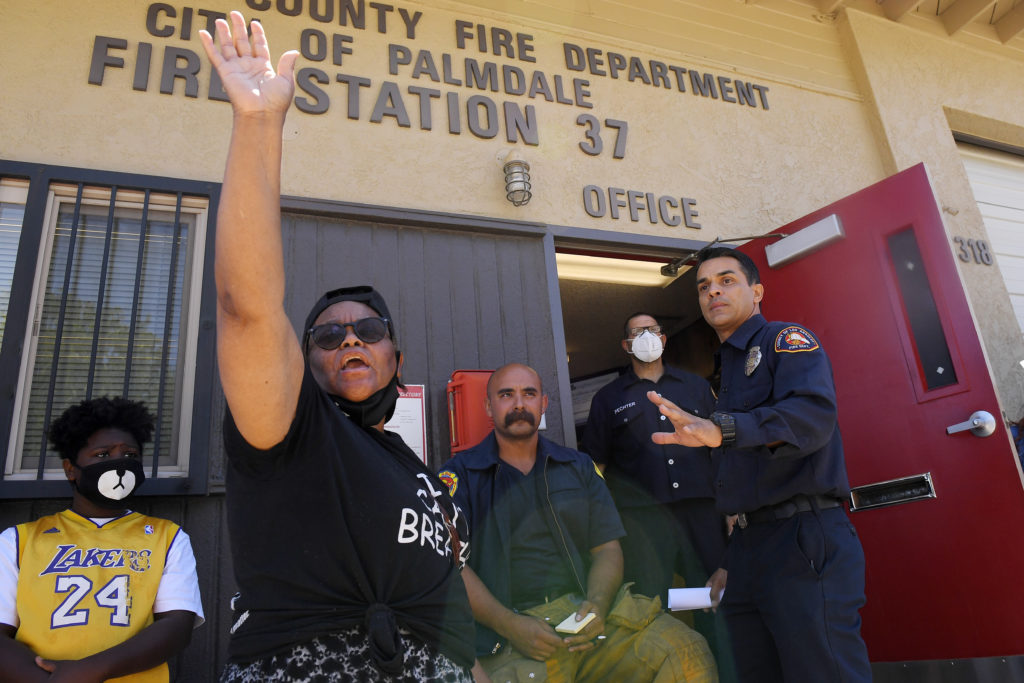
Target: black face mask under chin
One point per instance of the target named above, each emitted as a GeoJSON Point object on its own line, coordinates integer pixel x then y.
{"type": "Point", "coordinates": [370, 412]}
{"type": "Point", "coordinates": [110, 483]}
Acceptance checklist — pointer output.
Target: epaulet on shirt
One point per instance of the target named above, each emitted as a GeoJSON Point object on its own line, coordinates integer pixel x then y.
{"type": "Point", "coordinates": [794, 339]}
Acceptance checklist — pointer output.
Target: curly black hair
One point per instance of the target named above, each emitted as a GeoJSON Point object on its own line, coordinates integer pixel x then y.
{"type": "Point", "coordinates": [69, 432]}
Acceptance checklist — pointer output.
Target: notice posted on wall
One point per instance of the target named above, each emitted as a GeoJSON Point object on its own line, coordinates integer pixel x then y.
{"type": "Point", "coordinates": [410, 419]}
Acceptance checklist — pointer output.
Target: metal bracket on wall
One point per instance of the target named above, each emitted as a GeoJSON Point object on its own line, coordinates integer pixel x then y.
{"type": "Point", "coordinates": [671, 269]}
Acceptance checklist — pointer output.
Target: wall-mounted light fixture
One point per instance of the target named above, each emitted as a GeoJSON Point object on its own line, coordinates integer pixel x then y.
{"type": "Point", "coordinates": [517, 179]}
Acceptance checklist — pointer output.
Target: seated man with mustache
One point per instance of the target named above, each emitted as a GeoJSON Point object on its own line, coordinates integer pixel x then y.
{"type": "Point", "coordinates": [546, 549]}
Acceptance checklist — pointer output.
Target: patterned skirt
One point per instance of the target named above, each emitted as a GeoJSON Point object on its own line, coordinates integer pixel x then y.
{"type": "Point", "coordinates": [344, 657]}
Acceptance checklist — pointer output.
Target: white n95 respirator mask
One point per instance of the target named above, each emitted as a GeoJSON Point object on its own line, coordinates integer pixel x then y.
{"type": "Point", "coordinates": [647, 347]}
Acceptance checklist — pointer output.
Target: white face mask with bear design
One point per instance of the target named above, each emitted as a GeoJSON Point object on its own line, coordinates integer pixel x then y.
{"type": "Point", "coordinates": [647, 347]}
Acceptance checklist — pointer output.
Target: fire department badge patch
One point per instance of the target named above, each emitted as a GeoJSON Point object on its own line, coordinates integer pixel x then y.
{"type": "Point", "coordinates": [753, 360]}
{"type": "Point", "coordinates": [794, 339]}
{"type": "Point", "coordinates": [450, 480]}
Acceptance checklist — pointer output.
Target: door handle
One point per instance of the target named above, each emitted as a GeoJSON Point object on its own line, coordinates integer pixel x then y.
{"type": "Point", "coordinates": [981, 423]}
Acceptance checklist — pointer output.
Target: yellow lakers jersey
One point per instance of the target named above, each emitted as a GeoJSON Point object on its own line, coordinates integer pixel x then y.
{"type": "Point", "coordinates": [84, 588]}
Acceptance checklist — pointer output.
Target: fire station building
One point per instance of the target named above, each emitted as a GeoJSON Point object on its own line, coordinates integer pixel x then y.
{"type": "Point", "coordinates": [516, 178]}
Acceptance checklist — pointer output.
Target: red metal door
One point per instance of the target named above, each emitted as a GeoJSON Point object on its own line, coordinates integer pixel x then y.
{"type": "Point", "coordinates": [945, 575]}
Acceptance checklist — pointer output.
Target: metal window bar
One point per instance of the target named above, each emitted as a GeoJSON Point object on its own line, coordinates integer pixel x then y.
{"type": "Point", "coordinates": [68, 268]}
{"type": "Point", "coordinates": [70, 264]}
{"type": "Point", "coordinates": [98, 319]}
{"type": "Point", "coordinates": [132, 323]}
{"type": "Point", "coordinates": [175, 244]}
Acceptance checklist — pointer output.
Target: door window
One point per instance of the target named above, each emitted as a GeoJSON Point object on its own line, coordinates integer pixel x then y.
{"type": "Point", "coordinates": [934, 361]}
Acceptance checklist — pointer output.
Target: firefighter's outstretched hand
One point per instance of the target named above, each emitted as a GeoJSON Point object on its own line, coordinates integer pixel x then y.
{"type": "Point", "coordinates": [690, 430]}
{"type": "Point", "coordinates": [244, 66]}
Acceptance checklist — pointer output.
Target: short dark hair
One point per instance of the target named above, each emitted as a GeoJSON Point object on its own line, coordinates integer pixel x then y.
{"type": "Point", "coordinates": [747, 264]}
{"type": "Point", "coordinates": [70, 432]}
{"type": "Point", "coordinates": [625, 323]}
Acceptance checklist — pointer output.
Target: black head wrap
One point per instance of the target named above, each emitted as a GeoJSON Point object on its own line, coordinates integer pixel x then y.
{"type": "Point", "coordinates": [364, 294]}
{"type": "Point", "coordinates": [381, 405]}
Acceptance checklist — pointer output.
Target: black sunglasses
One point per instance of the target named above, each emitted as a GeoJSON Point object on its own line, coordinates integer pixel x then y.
{"type": "Point", "coordinates": [330, 335]}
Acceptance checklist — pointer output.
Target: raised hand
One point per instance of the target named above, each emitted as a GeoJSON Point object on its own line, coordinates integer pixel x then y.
{"type": "Point", "coordinates": [245, 69]}
{"type": "Point", "coordinates": [690, 430]}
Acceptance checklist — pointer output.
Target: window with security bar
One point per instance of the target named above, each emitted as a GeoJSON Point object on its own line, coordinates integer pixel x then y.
{"type": "Point", "coordinates": [114, 311]}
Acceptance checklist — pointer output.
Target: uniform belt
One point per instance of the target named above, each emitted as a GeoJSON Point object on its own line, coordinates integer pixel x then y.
{"type": "Point", "coordinates": [786, 509]}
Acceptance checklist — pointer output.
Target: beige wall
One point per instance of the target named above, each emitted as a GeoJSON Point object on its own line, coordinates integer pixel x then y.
{"type": "Point", "coordinates": [734, 160]}
{"type": "Point", "coordinates": [919, 88]}
{"type": "Point", "coordinates": [850, 99]}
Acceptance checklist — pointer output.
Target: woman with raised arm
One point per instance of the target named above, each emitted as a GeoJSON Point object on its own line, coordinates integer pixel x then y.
{"type": "Point", "coordinates": [344, 544]}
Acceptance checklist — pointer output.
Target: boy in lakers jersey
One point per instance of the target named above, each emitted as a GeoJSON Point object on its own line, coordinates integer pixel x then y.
{"type": "Point", "coordinates": [97, 592]}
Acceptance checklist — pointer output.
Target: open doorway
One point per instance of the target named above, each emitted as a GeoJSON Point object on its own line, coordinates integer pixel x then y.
{"type": "Point", "coordinates": [599, 290]}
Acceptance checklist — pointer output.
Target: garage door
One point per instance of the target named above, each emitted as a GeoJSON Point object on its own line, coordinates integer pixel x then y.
{"type": "Point", "coordinates": [997, 179]}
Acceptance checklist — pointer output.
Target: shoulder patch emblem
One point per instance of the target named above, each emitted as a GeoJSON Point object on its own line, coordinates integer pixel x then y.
{"type": "Point", "coordinates": [794, 339]}
{"type": "Point", "coordinates": [449, 479]}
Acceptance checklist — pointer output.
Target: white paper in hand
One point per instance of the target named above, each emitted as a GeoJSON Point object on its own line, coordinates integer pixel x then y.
{"type": "Point", "coordinates": [689, 598]}
{"type": "Point", "coordinates": [570, 625]}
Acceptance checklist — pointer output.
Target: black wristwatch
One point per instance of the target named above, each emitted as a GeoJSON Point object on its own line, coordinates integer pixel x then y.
{"type": "Point", "coordinates": [727, 423]}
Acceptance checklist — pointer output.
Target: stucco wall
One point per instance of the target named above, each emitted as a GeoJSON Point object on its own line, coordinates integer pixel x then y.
{"type": "Point", "coordinates": [840, 104]}
{"type": "Point", "coordinates": [919, 89]}
{"type": "Point", "coordinates": [746, 167]}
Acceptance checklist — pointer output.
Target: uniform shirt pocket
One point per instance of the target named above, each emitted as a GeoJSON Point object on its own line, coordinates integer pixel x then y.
{"type": "Point", "coordinates": [753, 394]}
{"type": "Point", "coordinates": [629, 432]}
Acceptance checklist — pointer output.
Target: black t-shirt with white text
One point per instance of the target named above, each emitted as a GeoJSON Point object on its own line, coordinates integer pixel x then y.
{"type": "Point", "coordinates": [331, 521]}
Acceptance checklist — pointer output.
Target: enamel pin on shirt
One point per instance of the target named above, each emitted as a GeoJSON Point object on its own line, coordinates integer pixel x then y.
{"type": "Point", "coordinates": [753, 359]}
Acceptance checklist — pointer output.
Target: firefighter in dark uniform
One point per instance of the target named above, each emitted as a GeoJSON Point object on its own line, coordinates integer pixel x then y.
{"type": "Point", "coordinates": [794, 566]}
{"type": "Point", "coordinates": [664, 493]}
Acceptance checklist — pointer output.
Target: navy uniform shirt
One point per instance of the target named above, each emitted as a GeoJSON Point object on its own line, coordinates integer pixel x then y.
{"type": "Point", "coordinates": [777, 384]}
{"type": "Point", "coordinates": [577, 508]}
{"type": "Point", "coordinates": [618, 435]}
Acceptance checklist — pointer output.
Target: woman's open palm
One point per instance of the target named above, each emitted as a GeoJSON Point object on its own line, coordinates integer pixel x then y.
{"type": "Point", "coordinates": [244, 66]}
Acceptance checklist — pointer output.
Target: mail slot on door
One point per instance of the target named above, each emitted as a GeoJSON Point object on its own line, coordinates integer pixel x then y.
{"type": "Point", "coordinates": [892, 492]}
